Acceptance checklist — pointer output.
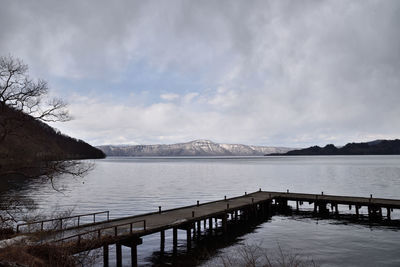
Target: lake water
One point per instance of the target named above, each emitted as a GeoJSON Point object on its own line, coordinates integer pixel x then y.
{"type": "Point", "coordinates": [129, 186]}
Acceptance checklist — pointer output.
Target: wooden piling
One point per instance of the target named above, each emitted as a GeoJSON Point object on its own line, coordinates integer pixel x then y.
{"type": "Point", "coordinates": [105, 256]}
{"type": "Point", "coordinates": [193, 228]}
{"type": "Point", "coordinates": [198, 229]}
{"type": "Point", "coordinates": [224, 223]}
{"type": "Point", "coordinates": [134, 262]}
{"type": "Point", "coordinates": [369, 212]}
{"type": "Point", "coordinates": [175, 239]}
{"type": "Point", "coordinates": [388, 213]}
{"type": "Point", "coordinates": [162, 240]}
{"type": "Point", "coordinates": [188, 238]}
{"type": "Point", "coordinates": [262, 210]}
{"type": "Point", "coordinates": [118, 254]}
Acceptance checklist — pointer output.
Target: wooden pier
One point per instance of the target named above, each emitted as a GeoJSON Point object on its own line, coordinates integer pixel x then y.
{"type": "Point", "coordinates": [215, 216]}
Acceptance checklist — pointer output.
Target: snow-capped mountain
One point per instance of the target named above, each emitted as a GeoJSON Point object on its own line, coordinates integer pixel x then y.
{"type": "Point", "coordinates": [193, 148]}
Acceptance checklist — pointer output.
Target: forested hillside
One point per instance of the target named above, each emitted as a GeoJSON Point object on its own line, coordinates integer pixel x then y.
{"type": "Point", "coordinates": [26, 139]}
{"type": "Point", "coordinates": [377, 147]}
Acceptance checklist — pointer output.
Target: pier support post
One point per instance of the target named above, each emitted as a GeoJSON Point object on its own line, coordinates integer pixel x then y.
{"type": "Point", "coordinates": [297, 205]}
{"type": "Point", "coordinates": [262, 210]}
{"type": "Point", "coordinates": [270, 207]}
{"type": "Point", "coordinates": [210, 224]}
{"type": "Point", "coordinates": [322, 208]}
{"type": "Point", "coordinates": [134, 255]}
{"type": "Point", "coordinates": [162, 241]}
{"type": "Point", "coordinates": [374, 212]}
{"type": "Point", "coordinates": [336, 210]}
{"type": "Point", "coordinates": [357, 211]}
{"type": "Point", "coordinates": [282, 204]}
{"type": "Point", "coordinates": [198, 229]}
{"type": "Point", "coordinates": [369, 213]}
{"type": "Point", "coordinates": [131, 243]}
{"type": "Point", "coordinates": [243, 215]}
{"type": "Point", "coordinates": [189, 238]}
{"type": "Point", "coordinates": [175, 239]}
{"type": "Point", "coordinates": [224, 223]}
{"type": "Point", "coordinates": [193, 228]}
{"type": "Point", "coordinates": [254, 211]}
{"type": "Point", "coordinates": [118, 254]}
{"type": "Point", "coordinates": [388, 213]}
{"type": "Point", "coordinates": [105, 255]}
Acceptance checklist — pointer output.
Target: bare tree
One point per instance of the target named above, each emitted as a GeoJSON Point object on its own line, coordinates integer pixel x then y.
{"type": "Point", "coordinates": [23, 99]}
{"type": "Point", "coordinates": [21, 93]}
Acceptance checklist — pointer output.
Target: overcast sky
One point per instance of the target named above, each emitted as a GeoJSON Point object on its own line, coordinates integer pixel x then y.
{"type": "Point", "coordinates": [284, 73]}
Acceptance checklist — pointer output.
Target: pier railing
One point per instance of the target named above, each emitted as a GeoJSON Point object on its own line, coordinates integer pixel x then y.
{"type": "Point", "coordinates": [57, 223]}
{"type": "Point", "coordinates": [97, 233]}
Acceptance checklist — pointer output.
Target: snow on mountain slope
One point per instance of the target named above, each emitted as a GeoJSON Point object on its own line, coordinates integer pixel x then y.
{"type": "Point", "coordinates": [193, 148]}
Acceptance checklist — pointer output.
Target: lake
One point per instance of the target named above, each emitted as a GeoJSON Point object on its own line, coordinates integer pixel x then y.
{"type": "Point", "coordinates": [129, 186]}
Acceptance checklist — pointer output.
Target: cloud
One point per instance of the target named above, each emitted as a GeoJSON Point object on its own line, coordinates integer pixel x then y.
{"type": "Point", "coordinates": [169, 97]}
{"type": "Point", "coordinates": [189, 97]}
{"type": "Point", "coordinates": [266, 72]}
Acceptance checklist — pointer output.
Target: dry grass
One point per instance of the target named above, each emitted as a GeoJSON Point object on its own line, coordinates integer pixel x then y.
{"type": "Point", "coordinates": [256, 256]}
{"type": "Point", "coordinates": [46, 255]}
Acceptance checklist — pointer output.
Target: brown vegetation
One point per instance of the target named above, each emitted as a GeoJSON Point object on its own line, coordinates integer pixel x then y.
{"type": "Point", "coordinates": [256, 256]}
{"type": "Point", "coordinates": [40, 255]}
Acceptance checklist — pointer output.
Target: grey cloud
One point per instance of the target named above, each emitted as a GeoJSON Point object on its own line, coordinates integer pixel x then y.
{"type": "Point", "coordinates": [296, 72]}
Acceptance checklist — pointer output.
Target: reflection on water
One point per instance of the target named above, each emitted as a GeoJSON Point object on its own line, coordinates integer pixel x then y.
{"type": "Point", "coordinates": [128, 186]}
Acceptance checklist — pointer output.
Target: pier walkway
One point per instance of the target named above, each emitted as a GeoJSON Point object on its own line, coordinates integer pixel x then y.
{"type": "Point", "coordinates": [70, 233]}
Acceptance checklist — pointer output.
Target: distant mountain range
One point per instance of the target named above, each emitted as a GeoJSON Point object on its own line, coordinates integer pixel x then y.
{"type": "Point", "coordinates": [193, 148]}
{"type": "Point", "coordinates": [377, 147]}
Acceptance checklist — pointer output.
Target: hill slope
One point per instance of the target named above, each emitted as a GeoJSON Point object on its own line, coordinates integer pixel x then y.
{"type": "Point", "coordinates": [32, 140]}
{"type": "Point", "coordinates": [377, 147]}
{"type": "Point", "coordinates": [194, 148]}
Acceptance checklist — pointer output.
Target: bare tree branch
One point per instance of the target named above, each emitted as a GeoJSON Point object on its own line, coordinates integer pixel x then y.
{"type": "Point", "coordinates": [19, 92]}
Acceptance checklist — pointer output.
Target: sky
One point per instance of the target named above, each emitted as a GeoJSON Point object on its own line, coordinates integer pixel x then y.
{"type": "Point", "coordinates": [276, 73]}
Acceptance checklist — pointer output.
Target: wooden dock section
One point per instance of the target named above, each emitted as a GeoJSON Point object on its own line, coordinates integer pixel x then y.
{"type": "Point", "coordinates": [214, 216]}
